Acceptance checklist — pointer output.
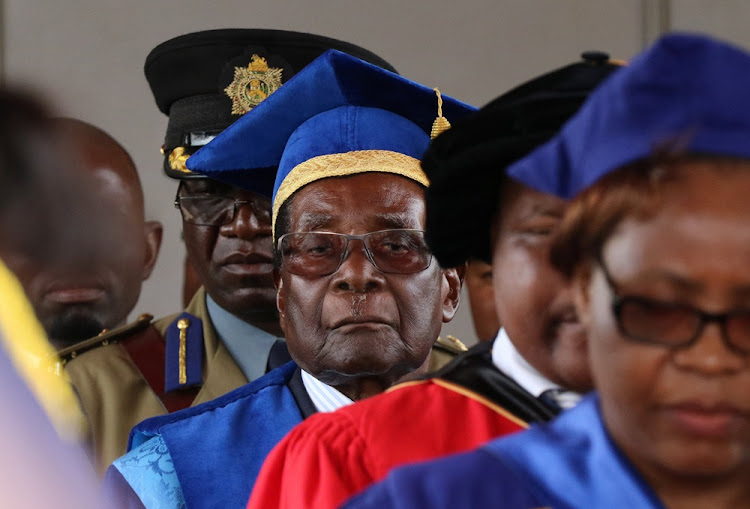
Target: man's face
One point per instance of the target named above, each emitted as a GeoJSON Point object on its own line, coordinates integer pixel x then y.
{"type": "Point", "coordinates": [76, 297]}
{"type": "Point", "coordinates": [360, 321]}
{"type": "Point", "coordinates": [234, 261]}
{"type": "Point", "coordinates": [533, 300]}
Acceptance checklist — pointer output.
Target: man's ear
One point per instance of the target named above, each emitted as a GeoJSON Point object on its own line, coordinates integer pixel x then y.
{"type": "Point", "coordinates": [454, 279]}
{"type": "Point", "coordinates": [276, 278]}
{"type": "Point", "coordinates": [280, 297]}
{"type": "Point", "coordinates": [153, 231]}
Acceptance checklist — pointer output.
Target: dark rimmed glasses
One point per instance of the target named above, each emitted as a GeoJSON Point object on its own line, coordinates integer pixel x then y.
{"type": "Point", "coordinates": [314, 254]}
{"type": "Point", "coordinates": [205, 209]}
{"type": "Point", "coordinates": [671, 324]}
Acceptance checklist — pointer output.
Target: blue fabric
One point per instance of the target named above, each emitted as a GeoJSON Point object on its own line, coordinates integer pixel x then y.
{"type": "Point", "coordinates": [193, 353]}
{"type": "Point", "coordinates": [249, 346]}
{"type": "Point", "coordinates": [566, 464]}
{"type": "Point", "coordinates": [149, 471]}
{"type": "Point", "coordinates": [687, 93]}
{"type": "Point", "coordinates": [259, 138]}
{"type": "Point", "coordinates": [348, 128]}
{"type": "Point", "coordinates": [218, 447]}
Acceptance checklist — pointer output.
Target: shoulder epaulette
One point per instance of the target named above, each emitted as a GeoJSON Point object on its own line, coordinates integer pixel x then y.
{"type": "Point", "coordinates": [105, 338]}
{"type": "Point", "coordinates": [451, 344]}
{"type": "Point", "coordinates": [184, 353]}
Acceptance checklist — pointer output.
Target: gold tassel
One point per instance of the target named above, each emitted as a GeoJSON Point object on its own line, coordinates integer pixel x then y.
{"type": "Point", "coordinates": [441, 124]}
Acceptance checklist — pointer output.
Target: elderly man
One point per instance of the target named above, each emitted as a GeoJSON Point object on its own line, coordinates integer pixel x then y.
{"type": "Point", "coordinates": [360, 297]}
{"type": "Point", "coordinates": [473, 212]}
{"type": "Point", "coordinates": [228, 334]}
{"type": "Point", "coordinates": [77, 300]}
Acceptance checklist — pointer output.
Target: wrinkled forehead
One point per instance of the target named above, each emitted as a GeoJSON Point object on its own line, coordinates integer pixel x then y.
{"type": "Point", "coordinates": [369, 201]}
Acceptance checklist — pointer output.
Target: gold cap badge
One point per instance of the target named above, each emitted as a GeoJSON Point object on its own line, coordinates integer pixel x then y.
{"type": "Point", "coordinates": [252, 84]}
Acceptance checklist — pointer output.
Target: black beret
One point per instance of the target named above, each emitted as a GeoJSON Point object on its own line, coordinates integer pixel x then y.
{"type": "Point", "coordinates": [206, 80]}
{"type": "Point", "coordinates": [466, 164]}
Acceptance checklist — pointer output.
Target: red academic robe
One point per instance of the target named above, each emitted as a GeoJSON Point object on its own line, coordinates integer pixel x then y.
{"type": "Point", "coordinates": [331, 456]}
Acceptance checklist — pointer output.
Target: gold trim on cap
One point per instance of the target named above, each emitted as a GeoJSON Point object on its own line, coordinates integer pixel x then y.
{"type": "Point", "coordinates": [344, 165]}
{"type": "Point", "coordinates": [178, 160]}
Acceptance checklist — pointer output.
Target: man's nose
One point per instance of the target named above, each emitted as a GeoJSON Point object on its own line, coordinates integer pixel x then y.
{"type": "Point", "coordinates": [357, 273]}
{"type": "Point", "coordinates": [247, 223]}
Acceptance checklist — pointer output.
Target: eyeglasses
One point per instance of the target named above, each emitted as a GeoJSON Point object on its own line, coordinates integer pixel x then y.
{"type": "Point", "coordinates": [674, 325]}
{"type": "Point", "coordinates": [314, 254]}
{"type": "Point", "coordinates": [217, 210]}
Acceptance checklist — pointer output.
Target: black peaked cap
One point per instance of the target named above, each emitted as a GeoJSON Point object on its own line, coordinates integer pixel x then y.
{"type": "Point", "coordinates": [188, 76]}
{"type": "Point", "coordinates": [466, 164]}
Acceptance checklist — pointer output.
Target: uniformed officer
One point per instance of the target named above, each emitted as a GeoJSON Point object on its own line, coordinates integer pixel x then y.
{"type": "Point", "coordinates": [228, 334]}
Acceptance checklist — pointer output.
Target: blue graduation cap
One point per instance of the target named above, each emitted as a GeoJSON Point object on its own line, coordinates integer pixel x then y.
{"type": "Point", "coordinates": [688, 93]}
{"type": "Point", "coordinates": [339, 116]}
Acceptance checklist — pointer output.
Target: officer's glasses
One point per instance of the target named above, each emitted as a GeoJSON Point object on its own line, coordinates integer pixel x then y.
{"type": "Point", "coordinates": [671, 324]}
{"type": "Point", "coordinates": [205, 209]}
{"type": "Point", "coordinates": [314, 254]}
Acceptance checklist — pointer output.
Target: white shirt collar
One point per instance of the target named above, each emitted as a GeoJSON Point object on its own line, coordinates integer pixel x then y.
{"type": "Point", "coordinates": [507, 359]}
{"type": "Point", "coordinates": [324, 397]}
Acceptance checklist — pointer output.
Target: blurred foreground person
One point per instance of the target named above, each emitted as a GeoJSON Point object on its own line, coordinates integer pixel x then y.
{"type": "Point", "coordinates": [497, 387]}
{"type": "Point", "coordinates": [79, 301]}
{"type": "Point", "coordinates": [42, 425]}
{"type": "Point", "coordinates": [657, 242]}
{"type": "Point", "coordinates": [229, 333]}
{"type": "Point", "coordinates": [360, 298]}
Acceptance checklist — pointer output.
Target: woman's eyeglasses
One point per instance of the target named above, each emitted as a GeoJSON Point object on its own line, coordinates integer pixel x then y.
{"type": "Point", "coordinates": [671, 324]}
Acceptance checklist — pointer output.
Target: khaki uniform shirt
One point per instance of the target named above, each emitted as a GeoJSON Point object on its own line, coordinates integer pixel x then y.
{"type": "Point", "coordinates": [115, 396]}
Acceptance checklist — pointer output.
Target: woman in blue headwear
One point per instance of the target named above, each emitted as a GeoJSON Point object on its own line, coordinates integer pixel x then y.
{"type": "Point", "coordinates": [657, 243]}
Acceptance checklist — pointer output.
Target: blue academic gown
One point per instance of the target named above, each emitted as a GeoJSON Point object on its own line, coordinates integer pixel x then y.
{"type": "Point", "coordinates": [208, 455]}
{"type": "Point", "coordinates": [568, 463]}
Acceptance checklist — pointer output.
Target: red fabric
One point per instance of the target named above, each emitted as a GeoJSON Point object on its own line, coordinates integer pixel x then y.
{"type": "Point", "coordinates": [331, 456]}
{"type": "Point", "coordinates": [147, 351]}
